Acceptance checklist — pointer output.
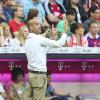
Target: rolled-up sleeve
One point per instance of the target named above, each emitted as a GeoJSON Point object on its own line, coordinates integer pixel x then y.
{"type": "Point", "coordinates": [52, 43]}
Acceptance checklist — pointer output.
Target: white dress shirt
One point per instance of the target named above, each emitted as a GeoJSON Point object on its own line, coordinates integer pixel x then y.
{"type": "Point", "coordinates": [35, 48]}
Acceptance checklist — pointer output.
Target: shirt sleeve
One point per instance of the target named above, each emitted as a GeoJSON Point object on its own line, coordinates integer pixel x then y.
{"type": "Point", "coordinates": [52, 43]}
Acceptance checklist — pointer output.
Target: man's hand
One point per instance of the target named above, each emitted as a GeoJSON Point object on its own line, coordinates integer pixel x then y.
{"type": "Point", "coordinates": [66, 26]}
{"type": "Point", "coordinates": [53, 32]}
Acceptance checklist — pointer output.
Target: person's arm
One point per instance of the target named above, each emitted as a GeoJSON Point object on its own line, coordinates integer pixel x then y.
{"type": "Point", "coordinates": [50, 16]}
{"type": "Point", "coordinates": [45, 23]}
{"type": "Point", "coordinates": [53, 18]}
{"type": "Point", "coordinates": [52, 43]}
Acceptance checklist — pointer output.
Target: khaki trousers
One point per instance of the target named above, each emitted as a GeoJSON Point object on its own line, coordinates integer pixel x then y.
{"type": "Point", "coordinates": [38, 84]}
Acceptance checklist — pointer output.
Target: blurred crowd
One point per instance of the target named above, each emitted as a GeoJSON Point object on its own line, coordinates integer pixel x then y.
{"type": "Point", "coordinates": [79, 19]}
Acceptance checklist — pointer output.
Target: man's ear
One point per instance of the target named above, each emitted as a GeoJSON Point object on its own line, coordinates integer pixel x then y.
{"type": "Point", "coordinates": [31, 28]}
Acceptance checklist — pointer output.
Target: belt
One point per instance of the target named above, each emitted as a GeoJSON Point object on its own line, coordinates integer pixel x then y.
{"type": "Point", "coordinates": [37, 72]}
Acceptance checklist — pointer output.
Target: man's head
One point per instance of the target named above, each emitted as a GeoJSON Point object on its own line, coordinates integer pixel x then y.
{"type": "Point", "coordinates": [70, 14]}
{"type": "Point", "coordinates": [34, 26]}
{"type": "Point", "coordinates": [18, 11]}
{"type": "Point", "coordinates": [94, 12]}
{"type": "Point", "coordinates": [94, 27]}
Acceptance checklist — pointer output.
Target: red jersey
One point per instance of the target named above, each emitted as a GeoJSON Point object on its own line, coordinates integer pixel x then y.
{"type": "Point", "coordinates": [14, 26]}
{"type": "Point", "coordinates": [55, 9]}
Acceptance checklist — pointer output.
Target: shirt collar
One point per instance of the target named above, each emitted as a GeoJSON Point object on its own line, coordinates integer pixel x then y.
{"type": "Point", "coordinates": [30, 35]}
{"type": "Point", "coordinates": [89, 34]}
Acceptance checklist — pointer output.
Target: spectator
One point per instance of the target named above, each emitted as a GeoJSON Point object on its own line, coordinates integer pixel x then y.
{"type": "Point", "coordinates": [6, 30]}
{"type": "Point", "coordinates": [55, 11]}
{"type": "Point", "coordinates": [80, 16]}
{"type": "Point", "coordinates": [70, 17]}
{"type": "Point", "coordinates": [17, 89]}
{"type": "Point", "coordinates": [66, 2]}
{"type": "Point", "coordinates": [92, 36]}
{"type": "Point", "coordinates": [7, 34]}
{"type": "Point", "coordinates": [96, 3]}
{"type": "Point", "coordinates": [36, 4]}
{"type": "Point", "coordinates": [53, 94]}
{"type": "Point", "coordinates": [77, 39]}
{"type": "Point", "coordinates": [16, 22]}
{"type": "Point", "coordinates": [94, 13]}
{"type": "Point", "coordinates": [20, 36]}
{"type": "Point", "coordinates": [8, 9]}
{"type": "Point", "coordinates": [33, 13]}
{"type": "Point", "coordinates": [8, 40]}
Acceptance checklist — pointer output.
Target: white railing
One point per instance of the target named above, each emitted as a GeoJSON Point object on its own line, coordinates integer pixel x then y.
{"type": "Point", "coordinates": [77, 50]}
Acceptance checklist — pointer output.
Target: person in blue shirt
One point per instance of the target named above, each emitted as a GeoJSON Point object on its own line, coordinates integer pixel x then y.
{"type": "Point", "coordinates": [8, 9]}
{"type": "Point", "coordinates": [36, 4]}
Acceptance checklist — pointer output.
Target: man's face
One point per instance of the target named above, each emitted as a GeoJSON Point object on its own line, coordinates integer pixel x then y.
{"type": "Point", "coordinates": [35, 26]}
{"type": "Point", "coordinates": [20, 12]}
{"type": "Point", "coordinates": [94, 28]}
{"type": "Point", "coordinates": [71, 18]}
{"type": "Point", "coordinates": [96, 14]}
